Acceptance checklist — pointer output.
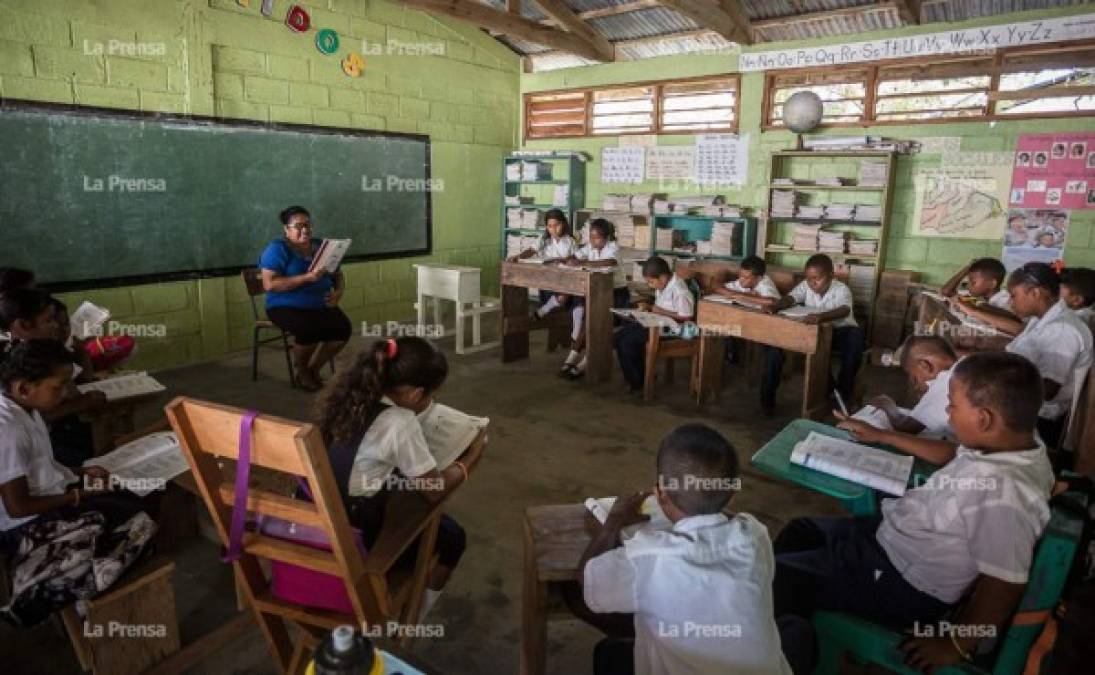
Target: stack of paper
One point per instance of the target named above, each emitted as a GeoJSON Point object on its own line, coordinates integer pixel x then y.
{"type": "Point", "coordinates": [535, 171]}
{"type": "Point", "coordinates": [788, 182]}
{"type": "Point", "coordinates": [831, 242]}
{"type": "Point", "coordinates": [530, 218]}
{"type": "Point", "coordinates": [830, 181]}
{"type": "Point", "coordinates": [704, 247]}
{"type": "Point", "coordinates": [688, 202]}
{"type": "Point", "coordinates": [861, 464]}
{"type": "Point", "coordinates": [725, 238]}
{"type": "Point", "coordinates": [561, 195]}
{"type": "Point", "coordinates": [516, 200]}
{"type": "Point", "coordinates": [513, 171]}
{"type": "Point", "coordinates": [625, 229]}
{"type": "Point", "coordinates": [662, 207]}
{"type": "Point", "coordinates": [805, 237]}
{"type": "Point", "coordinates": [514, 219]}
{"type": "Point", "coordinates": [783, 203]}
{"type": "Point", "coordinates": [840, 211]}
{"type": "Point", "coordinates": [722, 211]}
{"type": "Point", "coordinates": [124, 386]}
{"type": "Point", "coordinates": [616, 203]}
{"type": "Point", "coordinates": [872, 174]}
{"type": "Point", "coordinates": [868, 213]}
{"type": "Point", "coordinates": [643, 203]}
{"type": "Point", "coordinates": [863, 246]}
{"type": "Point", "coordinates": [513, 245]}
{"type": "Point", "coordinates": [810, 212]}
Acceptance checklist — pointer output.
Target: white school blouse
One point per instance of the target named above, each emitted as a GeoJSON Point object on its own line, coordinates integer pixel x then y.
{"type": "Point", "coordinates": [25, 450]}
{"type": "Point", "coordinates": [1059, 344]}
{"type": "Point", "coordinates": [676, 298]}
{"type": "Point", "coordinates": [838, 295]}
{"type": "Point", "coordinates": [765, 288]}
{"type": "Point", "coordinates": [610, 251]}
{"type": "Point", "coordinates": [563, 247]}
{"type": "Point", "coordinates": [393, 441]}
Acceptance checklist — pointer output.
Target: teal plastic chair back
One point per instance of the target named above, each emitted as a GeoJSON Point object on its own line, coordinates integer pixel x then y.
{"type": "Point", "coordinates": [839, 633]}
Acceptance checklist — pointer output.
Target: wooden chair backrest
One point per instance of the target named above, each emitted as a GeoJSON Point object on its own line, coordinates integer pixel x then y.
{"type": "Point", "coordinates": [252, 281]}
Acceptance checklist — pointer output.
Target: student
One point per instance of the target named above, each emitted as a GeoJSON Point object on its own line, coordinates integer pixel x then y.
{"type": "Point", "coordinates": [699, 586]}
{"type": "Point", "coordinates": [600, 252]}
{"type": "Point", "coordinates": [907, 567]}
{"type": "Point", "coordinates": [1054, 339]}
{"type": "Point", "coordinates": [368, 417]}
{"type": "Point", "coordinates": [671, 298]}
{"type": "Point", "coordinates": [557, 245]}
{"type": "Point", "coordinates": [985, 298]}
{"type": "Point", "coordinates": [14, 277]}
{"type": "Point", "coordinates": [1078, 292]}
{"type": "Point", "coordinates": [821, 291]}
{"type": "Point", "coordinates": [924, 431]}
{"type": "Point", "coordinates": [83, 371]}
{"type": "Point", "coordinates": [752, 286]}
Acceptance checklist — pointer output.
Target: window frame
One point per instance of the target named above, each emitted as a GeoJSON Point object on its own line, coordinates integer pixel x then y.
{"type": "Point", "coordinates": [952, 68]}
{"type": "Point", "coordinates": [656, 126]}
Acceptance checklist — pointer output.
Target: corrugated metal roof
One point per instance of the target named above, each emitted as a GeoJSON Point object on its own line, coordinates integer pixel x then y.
{"type": "Point", "coordinates": [864, 20]}
{"type": "Point", "coordinates": [644, 23]}
{"type": "Point", "coordinates": [960, 10]}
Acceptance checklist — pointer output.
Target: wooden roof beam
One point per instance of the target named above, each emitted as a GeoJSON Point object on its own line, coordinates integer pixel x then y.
{"type": "Point", "coordinates": [737, 13]}
{"type": "Point", "coordinates": [566, 18]}
{"type": "Point", "coordinates": [909, 11]}
{"type": "Point", "coordinates": [711, 16]}
{"type": "Point", "coordinates": [510, 24]}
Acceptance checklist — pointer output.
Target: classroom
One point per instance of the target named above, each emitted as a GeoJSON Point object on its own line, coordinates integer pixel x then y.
{"type": "Point", "coordinates": [759, 331]}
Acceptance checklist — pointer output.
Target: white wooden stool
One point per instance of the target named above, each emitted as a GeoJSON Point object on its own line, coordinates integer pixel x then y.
{"type": "Point", "coordinates": [460, 285]}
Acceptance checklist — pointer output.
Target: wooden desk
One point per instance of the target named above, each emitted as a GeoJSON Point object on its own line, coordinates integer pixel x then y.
{"type": "Point", "coordinates": [460, 285]}
{"type": "Point", "coordinates": [113, 420]}
{"type": "Point", "coordinates": [555, 538]}
{"type": "Point", "coordinates": [595, 287]}
{"type": "Point", "coordinates": [718, 320]}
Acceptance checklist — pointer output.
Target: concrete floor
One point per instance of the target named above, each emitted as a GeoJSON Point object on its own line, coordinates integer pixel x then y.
{"type": "Point", "coordinates": [552, 441]}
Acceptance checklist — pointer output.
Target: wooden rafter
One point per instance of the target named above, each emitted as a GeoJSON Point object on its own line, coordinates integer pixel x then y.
{"type": "Point", "coordinates": [737, 13]}
{"type": "Point", "coordinates": [709, 16]}
{"type": "Point", "coordinates": [510, 24]}
{"type": "Point", "coordinates": [908, 10]}
{"type": "Point", "coordinates": [570, 21]}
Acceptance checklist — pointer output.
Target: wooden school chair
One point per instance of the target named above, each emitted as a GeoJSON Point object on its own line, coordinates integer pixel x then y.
{"type": "Point", "coordinates": [252, 281]}
{"type": "Point", "coordinates": [209, 434]}
{"type": "Point", "coordinates": [864, 641]}
{"type": "Point", "coordinates": [669, 351]}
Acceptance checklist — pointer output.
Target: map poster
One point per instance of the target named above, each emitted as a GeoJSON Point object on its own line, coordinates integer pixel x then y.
{"type": "Point", "coordinates": [1054, 171]}
{"type": "Point", "coordinates": [961, 201]}
{"type": "Point", "coordinates": [1034, 235]}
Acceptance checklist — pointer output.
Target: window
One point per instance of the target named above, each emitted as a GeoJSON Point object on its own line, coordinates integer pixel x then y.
{"type": "Point", "coordinates": [672, 107]}
{"type": "Point", "coordinates": [1045, 81]}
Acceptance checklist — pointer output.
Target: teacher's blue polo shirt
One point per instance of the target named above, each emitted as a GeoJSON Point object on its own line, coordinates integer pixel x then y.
{"type": "Point", "coordinates": [281, 258]}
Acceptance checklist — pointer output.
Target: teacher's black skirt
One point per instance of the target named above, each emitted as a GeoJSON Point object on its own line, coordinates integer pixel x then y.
{"type": "Point", "coordinates": [309, 326]}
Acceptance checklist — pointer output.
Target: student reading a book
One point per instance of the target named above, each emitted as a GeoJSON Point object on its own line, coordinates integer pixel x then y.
{"type": "Point", "coordinates": [557, 245]}
{"type": "Point", "coordinates": [304, 303]}
{"type": "Point", "coordinates": [697, 588]}
{"type": "Point", "coordinates": [600, 253]}
{"type": "Point", "coordinates": [1056, 340]}
{"type": "Point", "coordinates": [1078, 292]}
{"type": "Point", "coordinates": [753, 287]}
{"type": "Point", "coordinates": [912, 563]}
{"type": "Point", "coordinates": [985, 297]}
{"type": "Point", "coordinates": [924, 431]}
{"type": "Point", "coordinates": [672, 298]}
{"type": "Point", "coordinates": [368, 416]}
{"type": "Point", "coordinates": [819, 291]}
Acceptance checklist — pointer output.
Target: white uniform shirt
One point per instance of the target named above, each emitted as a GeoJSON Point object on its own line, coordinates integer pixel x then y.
{"type": "Point", "coordinates": [701, 593]}
{"type": "Point", "coordinates": [765, 288]}
{"type": "Point", "coordinates": [838, 295]}
{"type": "Point", "coordinates": [610, 251]}
{"type": "Point", "coordinates": [393, 441]}
{"type": "Point", "coordinates": [676, 298]}
{"type": "Point", "coordinates": [25, 450]}
{"type": "Point", "coordinates": [931, 409]}
{"type": "Point", "coordinates": [982, 513]}
{"type": "Point", "coordinates": [1059, 344]}
{"type": "Point", "coordinates": [563, 247]}
{"type": "Point", "coordinates": [1001, 300]}
{"type": "Point", "coordinates": [1086, 314]}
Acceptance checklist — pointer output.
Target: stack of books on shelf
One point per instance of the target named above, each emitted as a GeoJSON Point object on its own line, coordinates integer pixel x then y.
{"type": "Point", "coordinates": [616, 203]}
{"type": "Point", "coordinates": [642, 203]}
{"type": "Point", "coordinates": [722, 211]}
{"type": "Point", "coordinates": [840, 211]}
{"type": "Point", "coordinates": [535, 171]}
{"type": "Point", "coordinates": [517, 200]}
{"type": "Point", "coordinates": [783, 203]}
{"type": "Point", "coordinates": [513, 171]}
{"type": "Point", "coordinates": [518, 243]}
{"type": "Point", "coordinates": [829, 182]}
{"type": "Point", "coordinates": [663, 207]}
{"type": "Point", "coordinates": [561, 195]}
{"type": "Point", "coordinates": [831, 242]}
{"type": "Point", "coordinates": [868, 213]}
{"type": "Point", "coordinates": [805, 237]}
{"type": "Point", "coordinates": [625, 228]}
{"type": "Point", "coordinates": [705, 247]}
{"type": "Point", "coordinates": [811, 212]}
{"type": "Point", "coordinates": [872, 174]}
{"type": "Point", "coordinates": [665, 237]}
{"type": "Point", "coordinates": [522, 219]}
{"type": "Point", "coordinates": [863, 246]}
{"type": "Point", "coordinates": [725, 238]}
{"type": "Point", "coordinates": [785, 182]}
{"type": "Point", "coordinates": [689, 202]}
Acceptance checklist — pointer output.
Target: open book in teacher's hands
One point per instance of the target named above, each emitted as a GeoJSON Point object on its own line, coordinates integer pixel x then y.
{"type": "Point", "coordinates": [854, 462]}
{"type": "Point", "coordinates": [329, 255]}
{"type": "Point", "coordinates": [449, 432]}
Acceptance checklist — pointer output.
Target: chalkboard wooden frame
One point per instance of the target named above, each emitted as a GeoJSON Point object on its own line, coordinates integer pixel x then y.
{"type": "Point", "coordinates": [24, 105]}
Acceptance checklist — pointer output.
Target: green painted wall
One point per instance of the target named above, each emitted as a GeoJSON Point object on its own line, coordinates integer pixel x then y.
{"type": "Point", "coordinates": [218, 58]}
{"type": "Point", "coordinates": [935, 258]}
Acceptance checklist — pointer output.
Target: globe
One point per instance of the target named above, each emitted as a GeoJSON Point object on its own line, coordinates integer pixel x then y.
{"type": "Point", "coordinates": [802, 112]}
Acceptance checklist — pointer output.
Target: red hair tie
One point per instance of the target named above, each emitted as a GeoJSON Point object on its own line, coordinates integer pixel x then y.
{"type": "Point", "coordinates": [393, 349]}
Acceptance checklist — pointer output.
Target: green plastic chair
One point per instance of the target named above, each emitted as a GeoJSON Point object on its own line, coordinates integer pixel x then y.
{"type": "Point", "coordinates": [864, 641]}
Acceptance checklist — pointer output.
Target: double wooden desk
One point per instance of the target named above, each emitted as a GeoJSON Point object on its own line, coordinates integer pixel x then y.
{"type": "Point", "coordinates": [594, 287]}
{"type": "Point", "coordinates": [719, 320]}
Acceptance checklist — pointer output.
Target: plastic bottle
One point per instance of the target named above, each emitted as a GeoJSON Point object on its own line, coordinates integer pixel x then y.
{"type": "Point", "coordinates": [346, 652]}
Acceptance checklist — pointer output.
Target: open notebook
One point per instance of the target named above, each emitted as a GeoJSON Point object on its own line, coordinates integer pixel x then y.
{"type": "Point", "coordinates": [858, 463]}
{"type": "Point", "coordinates": [145, 464]}
{"type": "Point", "coordinates": [715, 297]}
{"type": "Point", "coordinates": [648, 319]}
{"type": "Point", "coordinates": [124, 386]}
{"type": "Point", "coordinates": [449, 432]}
{"type": "Point", "coordinates": [799, 311]}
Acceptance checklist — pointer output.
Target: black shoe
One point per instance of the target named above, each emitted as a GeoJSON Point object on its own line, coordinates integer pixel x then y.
{"type": "Point", "coordinates": [572, 373]}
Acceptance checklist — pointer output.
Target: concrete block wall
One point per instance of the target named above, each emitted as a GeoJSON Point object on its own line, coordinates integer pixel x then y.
{"type": "Point", "coordinates": [215, 57]}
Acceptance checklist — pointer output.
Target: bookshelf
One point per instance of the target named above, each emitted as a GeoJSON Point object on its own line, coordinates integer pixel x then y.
{"type": "Point", "coordinates": [561, 169]}
{"type": "Point", "coordinates": [806, 168]}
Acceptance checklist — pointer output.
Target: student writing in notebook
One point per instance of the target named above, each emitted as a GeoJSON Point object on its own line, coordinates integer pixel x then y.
{"type": "Point", "coordinates": [698, 590]}
{"type": "Point", "coordinates": [970, 530]}
{"type": "Point", "coordinates": [925, 431]}
{"type": "Point", "coordinates": [368, 417]}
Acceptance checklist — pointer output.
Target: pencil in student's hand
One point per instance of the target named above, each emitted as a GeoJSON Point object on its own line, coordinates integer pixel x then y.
{"type": "Point", "coordinates": [840, 402]}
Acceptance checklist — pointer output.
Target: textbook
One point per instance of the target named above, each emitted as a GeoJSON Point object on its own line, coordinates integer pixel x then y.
{"type": "Point", "coordinates": [329, 255]}
{"type": "Point", "coordinates": [145, 464]}
{"type": "Point", "coordinates": [600, 507]}
{"type": "Point", "coordinates": [715, 297]}
{"type": "Point", "coordinates": [799, 311]}
{"type": "Point", "coordinates": [648, 319]}
{"type": "Point", "coordinates": [857, 463]}
{"type": "Point", "coordinates": [88, 319]}
{"type": "Point", "coordinates": [124, 386]}
{"type": "Point", "coordinates": [449, 432]}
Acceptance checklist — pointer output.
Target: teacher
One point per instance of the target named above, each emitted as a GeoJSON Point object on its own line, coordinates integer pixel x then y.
{"type": "Point", "coordinates": [302, 303]}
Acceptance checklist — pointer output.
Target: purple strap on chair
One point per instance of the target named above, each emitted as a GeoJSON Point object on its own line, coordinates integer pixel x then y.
{"type": "Point", "coordinates": [243, 474]}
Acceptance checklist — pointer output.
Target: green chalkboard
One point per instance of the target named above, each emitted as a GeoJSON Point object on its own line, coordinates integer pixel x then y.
{"type": "Point", "coordinates": [93, 197]}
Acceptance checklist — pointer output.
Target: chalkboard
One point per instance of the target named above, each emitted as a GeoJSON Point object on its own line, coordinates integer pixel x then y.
{"type": "Point", "coordinates": [94, 197]}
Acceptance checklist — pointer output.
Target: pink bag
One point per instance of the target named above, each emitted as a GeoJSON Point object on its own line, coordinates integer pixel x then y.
{"type": "Point", "coordinates": [288, 582]}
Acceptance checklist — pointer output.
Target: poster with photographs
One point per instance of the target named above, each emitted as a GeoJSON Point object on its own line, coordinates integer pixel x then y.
{"type": "Point", "coordinates": [1054, 170]}
{"type": "Point", "coordinates": [1034, 235]}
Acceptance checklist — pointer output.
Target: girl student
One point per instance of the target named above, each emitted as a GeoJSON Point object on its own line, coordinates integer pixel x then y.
{"type": "Point", "coordinates": [557, 245]}
{"type": "Point", "coordinates": [601, 252]}
{"type": "Point", "coordinates": [1053, 338]}
{"type": "Point", "coordinates": [368, 417]}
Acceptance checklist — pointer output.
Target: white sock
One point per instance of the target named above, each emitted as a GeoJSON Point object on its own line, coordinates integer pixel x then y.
{"type": "Point", "coordinates": [576, 321]}
{"type": "Point", "coordinates": [582, 364]}
{"type": "Point", "coordinates": [429, 599]}
{"type": "Point", "coordinates": [551, 304]}
{"type": "Point", "coordinates": [572, 358]}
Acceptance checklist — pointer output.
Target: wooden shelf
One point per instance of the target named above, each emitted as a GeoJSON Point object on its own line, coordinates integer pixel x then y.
{"type": "Point", "coordinates": [840, 256]}
{"type": "Point", "coordinates": [856, 188]}
{"type": "Point", "coordinates": [823, 221]}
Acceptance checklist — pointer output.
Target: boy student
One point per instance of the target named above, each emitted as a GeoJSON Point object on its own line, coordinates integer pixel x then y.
{"type": "Point", "coordinates": [985, 298]}
{"type": "Point", "coordinates": [671, 298]}
{"type": "Point", "coordinates": [1078, 293]}
{"type": "Point", "coordinates": [924, 431]}
{"type": "Point", "coordinates": [973, 524]}
{"type": "Point", "coordinates": [698, 587]}
{"type": "Point", "coordinates": [823, 292]}
{"type": "Point", "coordinates": [753, 286]}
